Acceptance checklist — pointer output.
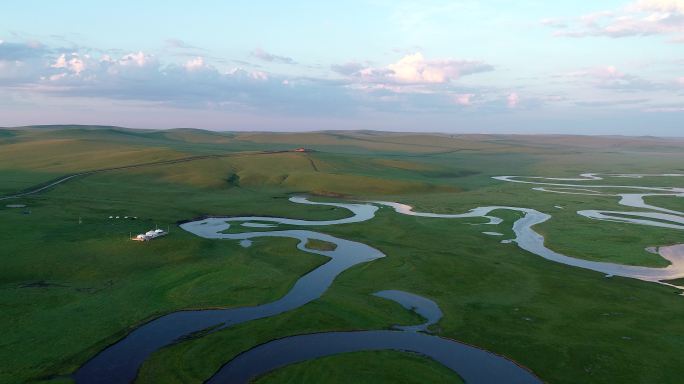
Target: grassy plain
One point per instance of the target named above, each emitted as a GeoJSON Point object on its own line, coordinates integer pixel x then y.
{"type": "Point", "coordinates": [69, 289]}
{"type": "Point", "coordinates": [320, 245]}
{"type": "Point", "coordinates": [364, 367]}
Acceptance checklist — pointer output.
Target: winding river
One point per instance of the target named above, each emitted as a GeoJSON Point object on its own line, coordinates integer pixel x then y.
{"type": "Point", "coordinates": [120, 362]}
{"type": "Point", "coordinates": [472, 364]}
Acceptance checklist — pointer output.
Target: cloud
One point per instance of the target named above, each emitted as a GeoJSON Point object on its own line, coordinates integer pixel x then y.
{"type": "Point", "coordinates": [513, 100]}
{"type": "Point", "coordinates": [554, 22]}
{"type": "Point", "coordinates": [412, 83]}
{"type": "Point", "coordinates": [73, 64]}
{"type": "Point", "coordinates": [195, 64]}
{"type": "Point", "coordinates": [347, 69]}
{"type": "Point", "coordinates": [20, 62]}
{"type": "Point", "coordinates": [666, 108]}
{"type": "Point", "coordinates": [20, 51]}
{"type": "Point", "coordinates": [180, 44]}
{"type": "Point", "coordinates": [610, 103]}
{"type": "Point", "coordinates": [640, 18]}
{"type": "Point", "coordinates": [265, 56]}
{"type": "Point", "coordinates": [658, 6]}
{"type": "Point", "coordinates": [463, 98]}
{"type": "Point", "coordinates": [135, 59]}
{"type": "Point", "coordinates": [141, 77]}
{"type": "Point", "coordinates": [16, 72]}
{"type": "Point", "coordinates": [609, 77]}
{"type": "Point", "coordinates": [415, 69]}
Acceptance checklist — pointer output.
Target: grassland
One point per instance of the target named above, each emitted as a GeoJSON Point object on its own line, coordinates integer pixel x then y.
{"type": "Point", "coordinates": [69, 289]}
{"type": "Point", "coordinates": [320, 245]}
{"type": "Point", "coordinates": [364, 367]}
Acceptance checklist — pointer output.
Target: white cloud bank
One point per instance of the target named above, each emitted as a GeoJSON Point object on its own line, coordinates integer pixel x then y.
{"type": "Point", "coordinates": [414, 69]}
{"type": "Point", "coordinates": [640, 18]}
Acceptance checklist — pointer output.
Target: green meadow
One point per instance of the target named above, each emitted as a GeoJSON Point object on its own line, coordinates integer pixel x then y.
{"type": "Point", "coordinates": [72, 282]}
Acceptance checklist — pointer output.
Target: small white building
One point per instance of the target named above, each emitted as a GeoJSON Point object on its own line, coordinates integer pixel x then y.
{"type": "Point", "coordinates": [149, 235]}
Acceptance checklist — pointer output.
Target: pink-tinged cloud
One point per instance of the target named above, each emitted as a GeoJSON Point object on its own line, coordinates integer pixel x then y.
{"type": "Point", "coordinates": [194, 64]}
{"type": "Point", "coordinates": [680, 81]}
{"type": "Point", "coordinates": [463, 99]}
{"type": "Point", "coordinates": [513, 100]}
{"type": "Point", "coordinates": [658, 6]}
{"type": "Point", "coordinates": [609, 72]}
{"type": "Point", "coordinates": [640, 18]}
{"type": "Point", "coordinates": [416, 69]}
{"type": "Point", "coordinates": [413, 69]}
{"type": "Point", "coordinates": [259, 75]}
{"type": "Point", "coordinates": [609, 77]}
{"type": "Point", "coordinates": [139, 59]}
{"type": "Point", "coordinates": [74, 63]}
{"type": "Point", "coordinates": [57, 77]}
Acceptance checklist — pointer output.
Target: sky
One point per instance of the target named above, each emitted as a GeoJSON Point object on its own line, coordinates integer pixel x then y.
{"type": "Point", "coordinates": [497, 66]}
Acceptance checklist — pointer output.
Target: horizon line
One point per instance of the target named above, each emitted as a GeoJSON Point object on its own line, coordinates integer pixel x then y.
{"type": "Point", "coordinates": [338, 130]}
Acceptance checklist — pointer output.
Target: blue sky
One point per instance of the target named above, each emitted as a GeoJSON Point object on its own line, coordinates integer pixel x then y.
{"type": "Point", "coordinates": [609, 67]}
